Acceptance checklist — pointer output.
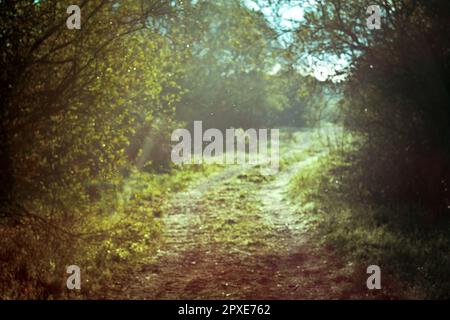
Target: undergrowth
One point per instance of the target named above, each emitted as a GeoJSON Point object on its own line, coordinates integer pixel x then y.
{"type": "Point", "coordinates": [107, 238]}
{"type": "Point", "coordinates": [395, 238]}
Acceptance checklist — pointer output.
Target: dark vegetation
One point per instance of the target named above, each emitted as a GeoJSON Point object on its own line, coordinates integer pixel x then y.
{"type": "Point", "coordinates": [86, 117]}
{"type": "Point", "coordinates": [386, 198]}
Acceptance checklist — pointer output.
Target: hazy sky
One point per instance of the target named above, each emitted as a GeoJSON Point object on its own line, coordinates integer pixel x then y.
{"type": "Point", "coordinates": [289, 14]}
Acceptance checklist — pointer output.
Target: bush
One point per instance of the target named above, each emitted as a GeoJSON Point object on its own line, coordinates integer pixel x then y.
{"type": "Point", "coordinates": [397, 99]}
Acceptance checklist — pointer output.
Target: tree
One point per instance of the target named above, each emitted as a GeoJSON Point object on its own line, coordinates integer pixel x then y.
{"type": "Point", "coordinates": [396, 93]}
{"type": "Point", "coordinates": [72, 102]}
{"type": "Point", "coordinates": [69, 104]}
{"type": "Point", "coordinates": [233, 51]}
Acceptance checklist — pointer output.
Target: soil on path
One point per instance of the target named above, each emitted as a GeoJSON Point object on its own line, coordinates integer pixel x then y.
{"type": "Point", "coordinates": [235, 235]}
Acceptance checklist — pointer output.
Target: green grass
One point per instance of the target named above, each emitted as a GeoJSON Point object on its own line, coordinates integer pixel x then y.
{"type": "Point", "coordinates": [417, 253]}
{"type": "Point", "coordinates": [120, 233]}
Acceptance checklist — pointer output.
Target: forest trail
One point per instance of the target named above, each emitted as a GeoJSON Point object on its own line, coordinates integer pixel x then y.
{"type": "Point", "coordinates": [235, 235]}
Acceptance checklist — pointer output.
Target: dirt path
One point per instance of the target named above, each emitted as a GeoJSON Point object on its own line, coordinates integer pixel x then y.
{"type": "Point", "coordinates": [235, 235]}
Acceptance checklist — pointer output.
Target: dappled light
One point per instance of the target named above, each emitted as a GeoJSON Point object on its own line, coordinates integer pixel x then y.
{"type": "Point", "coordinates": [224, 149]}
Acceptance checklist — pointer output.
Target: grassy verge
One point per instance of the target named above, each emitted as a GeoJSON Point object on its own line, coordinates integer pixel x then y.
{"type": "Point", "coordinates": [328, 193]}
{"type": "Point", "coordinates": [107, 238]}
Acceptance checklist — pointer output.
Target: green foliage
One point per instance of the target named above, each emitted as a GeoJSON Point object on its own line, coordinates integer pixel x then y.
{"type": "Point", "coordinates": [86, 118]}
{"type": "Point", "coordinates": [72, 102]}
{"type": "Point", "coordinates": [401, 106]}
{"type": "Point", "coordinates": [117, 233]}
{"type": "Point", "coordinates": [388, 199]}
{"type": "Point", "coordinates": [396, 95]}
{"type": "Point", "coordinates": [236, 73]}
